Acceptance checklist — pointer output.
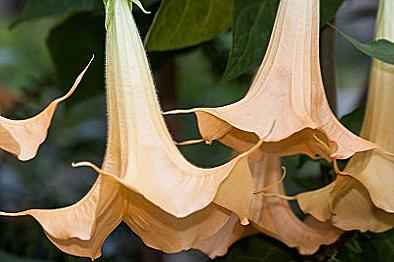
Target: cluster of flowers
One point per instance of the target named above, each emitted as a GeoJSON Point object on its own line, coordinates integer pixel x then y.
{"type": "Point", "coordinates": [173, 205]}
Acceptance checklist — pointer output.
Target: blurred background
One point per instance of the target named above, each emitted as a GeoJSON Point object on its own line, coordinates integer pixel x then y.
{"type": "Point", "coordinates": [39, 59]}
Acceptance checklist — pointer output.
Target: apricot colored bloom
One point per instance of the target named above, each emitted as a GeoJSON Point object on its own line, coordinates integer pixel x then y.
{"type": "Point", "coordinates": [288, 93]}
{"type": "Point", "coordinates": [23, 137]}
{"type": "Point", "coordinates": [145, 181]}
{"type": "Point", "coordinates": [362, 197]}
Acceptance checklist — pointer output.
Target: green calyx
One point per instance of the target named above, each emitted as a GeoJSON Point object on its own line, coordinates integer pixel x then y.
{"type": "Point", "coordinates": [110, 9]}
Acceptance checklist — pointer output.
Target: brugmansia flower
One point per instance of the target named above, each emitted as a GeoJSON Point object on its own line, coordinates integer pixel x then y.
{"type": "Point", "coordinates": [362, 197]}
{"type": "Point", "coordinates": [82, 228]}
{"type": "Point", "coordinates": [271, 216]}
{"type": "Point", "coordinates": [287, 91]}
{"type": "Point", "coordinates": [148, 184]}
{"type": "Point", "coordinates": [147, 160]}
{"type": "Point", "coordinates": [274, 217]}
{"type": "Point", "coordinates": [145, 181]}
{"type": "Point", "coordinates": [23, 137]}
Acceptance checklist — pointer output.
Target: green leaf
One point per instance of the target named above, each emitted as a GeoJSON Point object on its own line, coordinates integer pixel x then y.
{"type": "Point", "coordinates": [328, 9]}
{"type": "Point", "coordinates": [368, 247]}
{"type": "Point", "coordinates": [258, 249]}
{"type": "Point", "coordinates": [184, 23]}
{"type": "Point", "coordinates": [383, 243]}
{"type": "Point", "coordinates": [252, 26]}
{"type": "Point", "coordinates": [354, 120]}
{"type": "Point", "coordinates": [34, 9]}
{"type": "Point", "coordinates": [71, 45]}
{"type": "Point", "coordinates": [380, 49]}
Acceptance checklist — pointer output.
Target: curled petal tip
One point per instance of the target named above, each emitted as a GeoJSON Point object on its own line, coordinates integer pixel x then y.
{"type": "Point", "coordinates": [276, 183]}
{"type": "Point", "coordinates": [337, 169]}
{"type": "Point", "coordinates": [189, 142]}
{"type": "Point", "coordinates": [25, 158]}
{"type": "Point", "coordinates": [84, 164]}
{"type": "Point", "coordinates": [138, 3]}
{"type": "Point", "coordinates": [244, 221]}
{"type": "Point", "coordinates": [76, 83]}
{"type": "Point", "coordinates": [80, 164]}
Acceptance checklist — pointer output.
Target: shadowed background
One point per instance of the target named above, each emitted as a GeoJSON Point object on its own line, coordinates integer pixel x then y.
{"type": "Point", "coordinates": [39, 59]}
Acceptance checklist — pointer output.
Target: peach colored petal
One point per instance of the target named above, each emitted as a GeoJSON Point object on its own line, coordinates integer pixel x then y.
{"type": "Point", "coordinates": [287, 91]}
{"type": "Point", "coordinates": [145, 181]}
{"type": "Point", "coordinates": [363, 199]}
{"type": "Point", "coordinates": [82, 228]}
{"type": "Point", "coordinates": [346, 204]}
{"type": "Point", "coordinates": [148, 161]}
{"type": "Point", "coordinates": [23, 137]}
{"type": "Point", "coordinates": [219, 243]}
{"type": "Point", "coordinates": [274, 217]}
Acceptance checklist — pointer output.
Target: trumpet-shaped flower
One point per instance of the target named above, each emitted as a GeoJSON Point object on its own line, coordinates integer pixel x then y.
{"type": "Point", "coordinates": [82, 228]}
{"type": "Point", "coordinates": [148, 161]}
{"type": "Point", "coordinates": [362, 198]}
{"type": "Point", "coordinates": [274, 217]}
{"type": "Point", "coordinates": [23, 137]}
{"type": "Point", "coordinates": [145, 181]}
{"type": "Point", "coordinates": [287, 91]}
{"type": "Point", "coordinates": [271, 216]}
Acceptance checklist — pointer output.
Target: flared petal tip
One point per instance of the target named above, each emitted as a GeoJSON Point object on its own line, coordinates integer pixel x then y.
{"type": "Point", "coordinates": [383, 204]}
{"type": "Point", "coordinates": [26, 157]}
{"type": "Point", "coordinates": [139, 4]}
{"type": "Point", "coordinates": [172, 206]}
{"type": "Point", "coordinates": [23, 138]}
{"type": "Point", "coordinates": [245, 221]}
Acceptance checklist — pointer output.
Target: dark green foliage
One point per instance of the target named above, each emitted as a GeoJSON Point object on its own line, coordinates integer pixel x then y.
{"type": "Point", "coordinates": [328, 9]}
{"type": "Point", "coordinates": [259, 249]}
{"type": "Point", "coordinates": [380, 49]}
{"type": "Point", "coordinates": [352, 247]}
{"type": "Point", "coordinates": [367, 247]}
{"type": "Point", "coordinates": [252, 25]}
{"type": "Point", "coordinates": [71, 45]}
{"type": "Point", "coordinates": [354, 120]}
{"type": "Point", "coordinates": [183, 23]}
{"type": "Point", "coordinates": [35, 9]}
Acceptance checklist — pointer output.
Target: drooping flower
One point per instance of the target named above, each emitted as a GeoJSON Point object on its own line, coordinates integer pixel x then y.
{"type": "Point", "coordinates": [145, 181]}
{"type": "Point", "coordinates": [362, 197]}
{"type": "Point", "coordinates": [23, 137]}
{"type": "Point", "coordinates": [82, 228]}
{"type": "Point", "coordinates": [274, 217]}
{"type": "Point", "coordinates": [148, 161]}
{"type": "Point", "coordinates": [271, 216]}
{"type": "Point", "coordinates": [287, 91]}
